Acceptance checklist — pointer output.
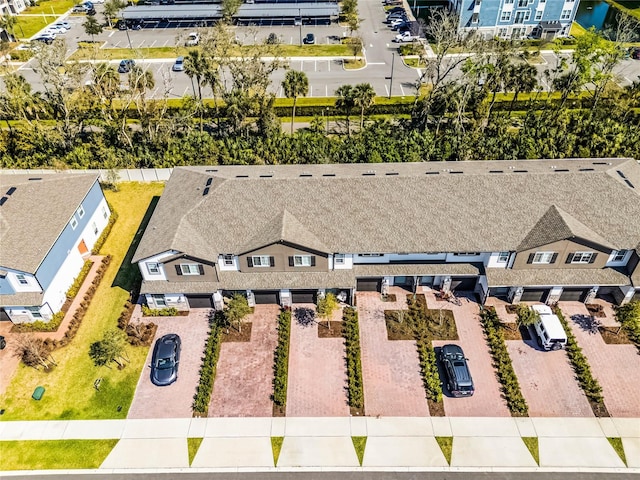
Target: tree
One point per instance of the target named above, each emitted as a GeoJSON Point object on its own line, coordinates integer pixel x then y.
{"type": "Point", "coordinates": [295, 84]}
{"type": "Point", "coordinates": [363, 97]}
{"type": "Point", "coordinates": [8, 23]}
{"type": "Point", "coordinates": [526, 315]}
{"type": "Point", "coordinates": [110, 349]}
{"type": "Point", "coordinates": [111, 10]}
{"type": "Point", "coordinates": [33, 351]}
{"type": "Point", "coordinates": [229, 8]}
{"type": "Point", "coordinates": [195, 66]}
{"type": "Point", "coordinates": [345, 102]}
{"type": "Point", "coordinates": [92, 27]}
{"type": "Point", "coordinates": [237, 309]}
{"type": "Point", "coordinates": [325, 306]}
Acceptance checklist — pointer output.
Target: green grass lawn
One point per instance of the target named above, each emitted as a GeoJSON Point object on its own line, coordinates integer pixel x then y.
{"type": "Point", "coordinates": [171, 52]}
{"type": "Point", "coordinates": [69, 387]}
{"type": "Point", "coordinates": [27, 26]}
{"type": "Point", "coordinates": [634, 12]}
{"type": "Point", "coordinates": [414, 62]}
{"type": "Point", "coordinates": [57, 7]}
{"type": "Point", "coordinates": [577, 30]}
{"type": "Point", "coordinates": [54, 454]}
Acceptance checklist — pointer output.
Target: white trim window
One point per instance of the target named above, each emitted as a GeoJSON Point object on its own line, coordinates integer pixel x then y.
{"type": "Point", "coordinates": [159, 300]}
{"type": "Point", "coordinates": [190, 269]}
{"type": "Point", "coordinates": [582, 257]}
{"type": "Point", "coordinates": [228, 260]}
{"type": "Point", "coordinates": [508, 2]}
{"type": "Point", "coordinates": [542, 257]}
{"type": "Point", "coordinates": [73, 222]}
{"type": "Point", "coordinates": [619, 256]}
{"type": "Point", "coordinates": [503, 257]}
{"type": "Point", "coordinates": [80, 211]}
{"type": "Point", "coordinates": [104, 212]}
{"type": "Point", "coordinates": [538, 15]}
{"type": "Point", "coordinates": [95, 228]}
{"type": "Point", "coordinates": [565, 15]}
{"type": "Point", "coordinates": [505, 16]}
{"type": "Point", "coordinates": [22, 280]}
{"type": "Point", "coordinates": [261, 260]}
{"type": "Point", "coordinates": [154, 268]}
{"type": "Point", "coordinates": [302, 260]}
{"type": "Point", "coordinates": [339, 258]}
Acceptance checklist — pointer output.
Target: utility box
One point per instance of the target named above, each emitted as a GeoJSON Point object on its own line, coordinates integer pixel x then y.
{"type": "Point", "coordinates": [37, 393]}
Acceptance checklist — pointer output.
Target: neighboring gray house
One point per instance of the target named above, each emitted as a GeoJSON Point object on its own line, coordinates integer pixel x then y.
{"type": "Point", "coordinates": [540, 230]}
{"type": "Point", "coordinates": [516, 19]}
{"type": "Point", "coordinates": [48, 226]}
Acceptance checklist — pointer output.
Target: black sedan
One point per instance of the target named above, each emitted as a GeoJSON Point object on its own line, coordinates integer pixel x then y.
{"type": "Point", "coordinates": [165, 360]}
{"type": "Point", "coordinates": [459, 380]}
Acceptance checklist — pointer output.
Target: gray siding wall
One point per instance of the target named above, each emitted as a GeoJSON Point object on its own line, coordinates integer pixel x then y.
{"type": "Point", "coordinates": [209, 271]}
{"type": "Point", "coordinates": [563, 249]}
{"type": "Point", "coordinates": [281, 253]}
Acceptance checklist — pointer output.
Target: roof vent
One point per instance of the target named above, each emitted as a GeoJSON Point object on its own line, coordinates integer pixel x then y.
{"type": "Point", "coordinates": [35, 178]}
{"type": "Point", "coordinates": [621, 174]}
{"type": "Point", "coordinates": [211, 170]}
{"type": "Point", "coordinates": [520, 171]}
{"type": "Point", "coordinates": [561, 170]}
{"type": "Point", "coordinates": [266, 176]}
{"type": "Point", "coordinates": [587, 169]}
{"type": "Point", "coordinates": [306, 175]}
{"type": "Point", "coordinates": [242, 176]}
{"type": "Point", "coordinates": [456, 171]}
{"type": "Point", "coordinates": [209, 180]}
{"type": "Point", "coordinates": [599, 163]}
{"type": "Point", "coordinates": [369, 172]}
{"type": "Point", "coordinates": [432, 173]}
{"type": "Point", "coordinates": [496, 171]}
{"type": "Point", "coordinates": [205, 191]}
{"type": "Point", "coordinates": [391, 173]}
{"type": "Point", "coordinates": [3, 200]}
{"type": "Point", "coordinates": [328, 174]}
{"type": "Point", "coordinates": [629, 183]}
{"type": "Point", "coordinates": [11, 190]}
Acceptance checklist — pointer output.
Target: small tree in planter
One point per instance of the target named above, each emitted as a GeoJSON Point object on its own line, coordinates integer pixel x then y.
{"type": "Point", "coordinates": [237, 309]}
{"type": "Point", "coordinates": [526, 316]}
{"type": "Point", "coordinates": [110, 349]}
{"type": "Point", "coordinates": [326, 306]}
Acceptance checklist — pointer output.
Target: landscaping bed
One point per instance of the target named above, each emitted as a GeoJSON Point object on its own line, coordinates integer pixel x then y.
{"type": "Point", "coordinates": [612, 336]}
{"type": "Point", "coordinates": [354, 364]}
{"type": "Point", "coordinates": [232, 334]}
{"type": "Point", "coordinates": [331, 329]}
{"type": "Point", "coordinates": [202, 397]}
{"type": "Point", "coordinates": [281, 364]}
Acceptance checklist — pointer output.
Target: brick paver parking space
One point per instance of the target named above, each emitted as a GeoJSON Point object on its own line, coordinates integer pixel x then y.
{"type": "Point", "coordinates": [617, 367]}
{"type": "Point", "coordinates": [317, 373]}
{"type": "Point", "coordinates": [390, 369]}
{"type": "Point", "coordinates": [173, 401]}
{"type": "Point", "coordinates": [244, 377]}
{"type": "Point", "coordinates": [487, 400]}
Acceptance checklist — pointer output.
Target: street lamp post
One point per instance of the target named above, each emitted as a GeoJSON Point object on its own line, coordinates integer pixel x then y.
{"type": "Point", "coordinates": [393, 58]}
{"type": "Point", "coordinates": [127, 31]}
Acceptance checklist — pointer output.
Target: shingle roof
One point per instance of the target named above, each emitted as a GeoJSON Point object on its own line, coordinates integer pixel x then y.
{"type": "Point", "coordinates": [21, 299]}
{"type": "Point", "coordinates": [35, 214]}
{"type": "Point", "coordinates": [502, 277]}
{"type": "Point", "coordinates": [403, 208]}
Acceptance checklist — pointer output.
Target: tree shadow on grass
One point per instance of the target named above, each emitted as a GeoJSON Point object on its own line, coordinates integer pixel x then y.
{"type": "Point", "coordinates": [128, 276]}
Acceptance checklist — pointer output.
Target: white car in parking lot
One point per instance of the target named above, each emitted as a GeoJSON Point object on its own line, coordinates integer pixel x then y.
{"type": "Point", "coordinates": [65, 25]}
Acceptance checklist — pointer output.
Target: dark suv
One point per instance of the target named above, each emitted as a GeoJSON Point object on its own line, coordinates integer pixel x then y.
{"type": "Point", "coordinates": [459, 380]}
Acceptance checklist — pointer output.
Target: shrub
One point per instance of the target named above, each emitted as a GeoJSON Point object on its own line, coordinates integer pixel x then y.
{"type": "Point", "coordinates": [281, 359]}
{"type": "Point", "coordinates": [159, 312]}
{"type": "Point", "coordinates": [326, 306]}
{"type": "Point", "coordinates": [77, 283]}
{"type": "Point", "coordinates": [629, 317]}
{"type": "Point", "coordinates": [40, 326]}
{"type": "Point", "coordinates": [200, 405]}
{"type": "Point", "coordinates": [105, 233]}
{"type": "Point", "coordinates": [526, 316]}
{"type": "Point", "coordinates": [351, 332]}
{"type": "Point", "coordinates": [502, 362]}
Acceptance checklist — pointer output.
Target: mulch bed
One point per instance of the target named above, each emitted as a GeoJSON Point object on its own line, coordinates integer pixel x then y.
{"type": "Point", "coordinates": [609, 336]}
{"type": "Point", "coordinates": [356, 412]}
{"type": "Point", "coordinates": [599, 409]}
{"type": "Point", "coordinates": [279, 411]}
{"type": "Point", "coordinates": [596, 310]}
{"type": "Point", "coordinates": [232, 334]}
{"type": "Point", "coordinates": [389, 298]}
{"type": "Point", "coordinates": [511, 331]}
{"type": "Point", "coordinates": [395, 329]}
{"type": "Point", "coordinates": [511, 309]}
{"type": "Point", "coordinates": [332, 330]}
{"type": "Point", "coordinates": [436, 409]}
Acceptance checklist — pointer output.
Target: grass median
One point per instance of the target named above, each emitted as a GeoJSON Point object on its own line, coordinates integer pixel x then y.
{"type": "Point", "coordinates": [54, 454]}
{"type": "Point", "coordinates": [70, 393]}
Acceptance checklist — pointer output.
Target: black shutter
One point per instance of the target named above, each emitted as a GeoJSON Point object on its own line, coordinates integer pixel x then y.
{"type": "Point", "coordinates": [250, 261]}
{"type": "Point", "coordinates": [201, 269]}
{"type": "Point", "coordinates": [593, 257]}
{"type": "Point", "coordinates": [291, 261]}
{"type": "Point", "coordinates": [530, 259]}
{"type": "Point", "coordinates": [272, 261]}
{"type": "Point", "coordinates": [554, 257]}
{"type": "Point", "coordinates": [313, 260]}
{"type": "Point", "coordinates": [178, 270]}
{"type": "Point", "coordinates": [569, 258]}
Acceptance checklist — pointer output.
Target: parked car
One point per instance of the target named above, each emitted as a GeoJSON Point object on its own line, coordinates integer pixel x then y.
{"type": "Point", "coordinates": [459, 381]}
{"type": "Point", "coordinates": [79, 9]}
{"type": "Point", "coordinates": [309, 39]}
{"type": "Point", "coordinates": [91, 12]}
{"type": "Point", "coordinates": [192, 40]}
{"type": "Point", "coordinates": [55, 30]}
{"type": "Point", "coordinates": [165, 360]}
{"type": "Point", "coordinates": [549, 330]}
{"type": "Point", "coordinates": [3, 343]}
{"type": "Point", "coordinates": [406, 36]}
{"type": "Point", "coordinates": [126, 66]}
{"type": "Point", "coordinates": [48, 39]}
{"type": "Point", "coordinates": [635, 53]}
{"type": "Point", "coordinates": [401, 27]}
{"type": "Point", "coordinates": [121, 25]}
{"type": "Point", "coordinates": [394, 10]}
{"type": "Point", "coordinates": [396, 23]}
{"type": "Point", "coordinates": [178, 66]}
{"type": "Point", "coordinates": [65, 25]}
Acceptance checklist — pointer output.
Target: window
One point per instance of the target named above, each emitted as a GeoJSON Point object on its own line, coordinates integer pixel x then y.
{"type": "Point", "coordinates": [95, 228]}
{"type": "Point", "coordinates": [522, 3]}
{"type": "Point", "coordinates": [543, 257]}
{"type": "Point", "coordinates": [228, 260]}
{"type": "Point", "coordinates": [190, 269]}
{"type": "Point", "coordinates": [582, 257]}
{"type": "Point", "coordinates": [35, 312]}
{"type": "Point", "coordinates": [153, 268]}
{"type": "Point", "coordinates": [478, 2]}
{"type": "Point", "coordinates": [159, 300]}
{"type": "Point", "coordinates": [475, 17]}
{"type": "Point", "coordinates": [503, 257]}
{"type": "Point", "coordinates": [566, 15]}
{"type": "Point", "coordinates": [302, 260]}
{"type": "Point", "coordinates": [505, 17]}
{"type": "Point", "coordinates": [261, 261]}
{"type": "Point", "coordinates": [370, 255]}
{"type": "Point", "coordinates": [508, 2]}
{"type": "Point", "coordinates": [521, 16]}
{"type": "Point", "coordinates": [538, 16]}
{"type": "Point", "coordinates": [74, 222]}
{"type": "Point", "coordinates": [22, 280]}
{"type": "Point", "coordinates": [80, 211]}
{"type": "Point", "coordinates": [502, 32]}
{"type": "Point", "coordinates": [542, 2]}
{"type": "Point", "coordinates": [619, 256]}
{"type": "Point", "coordinates": [338, 258]}
{"type": "Point", "coordinates": [104, 212]}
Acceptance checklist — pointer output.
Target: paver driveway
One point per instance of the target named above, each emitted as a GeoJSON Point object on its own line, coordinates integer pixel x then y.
{"type": "Point", "coordinates": [173, 401]}
{"type": "Point", "coordinates": [317, 373]}
{"type": "Point", "coordinates": [487, 400]}
{"type": "Point", "coordinates": [390, 369]}
{"type": "Point", "coordinates": [244, 377]}
{"type": "Point", "coordinates": [617, 367]}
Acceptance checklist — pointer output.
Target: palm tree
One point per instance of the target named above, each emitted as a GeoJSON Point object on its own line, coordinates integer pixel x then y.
{"type": "Point", "coordinates": [345, 102]}
{"type": "Point", "coordinates": [363, 97]}
{"type": "Point", "coordinates": [295, 84]}
{"type": "Point", "coordinates": [196, 66]}
{"type": "Point", "coordinates": [7, 23]}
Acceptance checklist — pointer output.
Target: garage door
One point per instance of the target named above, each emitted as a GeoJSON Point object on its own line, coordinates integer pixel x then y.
{"type": "Point", "coordinates": [269, 297]}
{"type": "Point", "coordinates": [303, 296]}
{"type": "Point", "coordinates": [534, 295]}
{"type": "Point", "coordinates": [463, 284]}
{"type": "Point", "coordinates": [200, 301]}
{"type": "Point", "coordinates": [3, 316]}
{"type": "Point", "coordinates": [574, 294]}
{"type": "Point", "coordinates": [369, 284]}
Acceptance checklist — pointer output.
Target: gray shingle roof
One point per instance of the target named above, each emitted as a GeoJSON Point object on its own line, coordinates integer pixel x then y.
{"type": "Point", "coordinates": [35, 214]}
{"type": "Point", "coordinates": [501, 277]}
{"type": "Point", "coordinates": [403, 208]}
{"type": "Point", "coordinates": [21, 299]}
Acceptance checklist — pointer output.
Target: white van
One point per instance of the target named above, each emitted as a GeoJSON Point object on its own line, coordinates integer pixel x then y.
{"type": "Point", "coordinates": [549, 330]}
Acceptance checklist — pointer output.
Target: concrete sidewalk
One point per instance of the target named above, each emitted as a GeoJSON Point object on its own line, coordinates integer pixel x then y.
{"type": "Point", "coordinates": [393, 443]}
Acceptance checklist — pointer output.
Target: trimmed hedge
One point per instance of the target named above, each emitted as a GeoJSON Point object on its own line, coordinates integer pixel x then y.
{"type": "Point", "coordinates": [351, 332]}
{"type": "Point", "coordinates": [580, 364]}
{"type": "Point", "coordinates": [281, 359]}
{"type": "Point", "coordinates": [629, 317]}
{"type": "Point", "coordinates": [202, 397]}
{"type": "Point", "coordinates": [159, 312]}
{"type": "Point", "coordinates": [502, 362]}
{"type": "Point", "coordinates": [40, 326]}
{"type": "Point", "coordinates": [105, 233]}
{"type": "Point", "coordinates": [77, 283]}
